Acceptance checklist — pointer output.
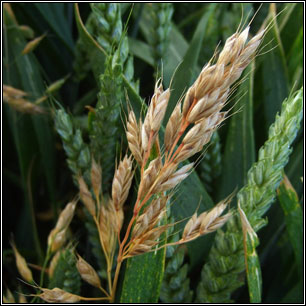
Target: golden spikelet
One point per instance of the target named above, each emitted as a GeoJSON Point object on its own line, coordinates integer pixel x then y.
{"type": "Point", "coordinates": [15, 98]}
{"type": "Point", "coordinates": [96, 178]}
{"type": "Point", "coordinates": [57, 295]}
{"type": "Point", "coordinates": [22, 266]}
{"type": "Point", "coordinates": [31, 45]}
{"type": "Point", "coordinates": [58, 235]}
{"type": "Point", "coordinates": [108, 225]}
{"type": "Point", "coordinates": [133, 136]}
{"type": "Point", "coordinates": [151, 215]}
{"type": "Point", "coordinates": [53, 263]}
{"type": "Point", "coordinates": [87, 272]}
{"type": "Point", "coordinates": [122, 182]}
{"type": "Point", "coordinates": [86, 197]}
{"type": "Point", "coordinates": [206, 222]}
{"type": "Point", "coordinates": [173, 126]}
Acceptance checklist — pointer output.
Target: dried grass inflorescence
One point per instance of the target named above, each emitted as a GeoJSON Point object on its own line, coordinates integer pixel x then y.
{"type": "Point", "coordinates": [58, 235]}
{"type": "Point", "coordinates": [189, 128]}
{"type": "Point", "coordinates": [21, 264]}
{"type": "Point", "coordinates": [87, 272]}
{"type": "Point", "coordinates": [57, 295]}
{"type": "Point", "coordinates": [16, 99]}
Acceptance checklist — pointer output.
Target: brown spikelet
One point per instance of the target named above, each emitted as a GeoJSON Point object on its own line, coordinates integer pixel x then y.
{"type": "Point", "coordinates": [21, 264]}
{"type": "Point", "coordinates": [53, 263]}
{"type": "Point", "coordinates": [173, 126]}
{"type": "Point", "coordinates": [205, 99]}
{"type": "Point", "coordinates": [15, 98]}
{"type": "Point", "coordinates": [8, 8]}
{"type": "Point", "coordinates": [206, 222]}
{"type": "Point", "coordinates": [9, 91]}
{"type": "Point", "coordinates": [133, 135]}
{"type": "Point", "coordinates": [174, 178]}
{"type": "Point", "coordinates": [96, 178]}
{"type": "Point", "coordinates": [154, 116]}
{"type": "Point", "coordinates": [86, 197]}
{"type": "Point", "coordinates": [150, 216]}
{"type": "Point", "coordinates": [31, 45]}
{"type": "Point", "coordinates": [57, 236]}
{"type": "Point", "coordinates": [149, 177]}
{"type": "Point", "coordinates": [57, 295]}
{"type": "Point", "coordinates": [108, 226]}
{"type": "Point", "coordinates": [147, 241]}
{"type": "Point", "coordinates": [122, 182]}
{"type": "Point", "coordinates": [87, 272]}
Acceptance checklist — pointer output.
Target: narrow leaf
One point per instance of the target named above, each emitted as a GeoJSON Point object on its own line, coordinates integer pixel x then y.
{"type": "Point", "coordinates": [143, 278]}
{"type": "Point", "coordinates": [253, 271]}
{"type": "Point", "coordinates": [98, 54]}
{"type": "Point", "coordinates": [293, 217]}
{"type": "Point", "coordinates": [274, 90]}
{"type": "Point", "coordinates": [141, 50]}
{"type": "Point", "coordinates": [239, 152]}
{"type": "Point", "coordinates": [30, 46]}
{"type": "Point", "coordinates": [184, 74]}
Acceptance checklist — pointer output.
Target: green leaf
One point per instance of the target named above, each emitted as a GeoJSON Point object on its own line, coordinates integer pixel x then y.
{"type": "Point", "coordinates": [253, 271]}
{"type": "Point", "coordinates": [27, 76]}
{"type": "Point", "coordinates": [294, 169]}
{"type": "Point", "coordinates": [289, 202]}
{"type": "Point", "coordinates": [141, 50]}
{"type": "Point", "coordinates": [186, 71]}
{"type": "Point", "coordinates": [273, 89]}
{"type": "Point", "coordinates": [143, 277]}
{"type": "Point", "coordinates": [239, 152]}
{"type": "Point", "coordinates": [295, 60]}
{"type": "Point", "coordinates": [54, 16]}
{"type": "Point", "coordinates": [295, 295]}
{"type": "Point", "coordinates": [290, 23]}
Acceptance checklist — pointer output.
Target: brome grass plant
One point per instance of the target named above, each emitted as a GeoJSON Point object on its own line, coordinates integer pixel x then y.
{"type": "Point", "coordinates": [146, 170]}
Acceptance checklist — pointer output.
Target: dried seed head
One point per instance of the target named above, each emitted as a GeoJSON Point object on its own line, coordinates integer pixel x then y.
{"type": "Point", "coordinates": [22, 266]}
{"type": "Point", "coordinates": [57, 239]}
{"type": "Point", "coordinates": [175, 178]}
{"type": "Point", "coordinates": [57, 295]}
{"type": "Point", "coordinates": [155, 115]}
{"type": "Point", "coordinates": [188, 101]}
{"type": "Point", "coordinates": [96, 178]}
{"type": "Point", "coordinates": [149, 177]}
{"type": "Point", "coordinates": [86, 197]}
{"type": "Point", "coordinates": [57, 236]}
{"type": "Point", "coordinates": [150, 217]}
{"type": "Point", "coordinates": [172, 128]}
{"type": "Point", "coordinates": [87, 272]}
{"type": "Point", "coordinates": [206, 222]}
{"type": "Point", "coordinates": [122, 182]}
{"type": "Point", "coordinates": [209, 92]}
{"type": "Point", "coordinates": [146, 241]}
{"type": "Point", "coordinates": [53, 263]}
{"type": "Point", "coordinates": [24, 106]}
{"type": "Point", "coordinates": [133, 135]}
{"type": "Point", "coordinates": [109, 227]}
{"type": "Point", "coordinates": [11, 92]}
{"type": "Point", "coordinates": [31, 45]}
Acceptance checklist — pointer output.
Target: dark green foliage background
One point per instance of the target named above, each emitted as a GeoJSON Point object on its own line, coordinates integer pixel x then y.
{"type": "Point", "coordinates": [36, 178]}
